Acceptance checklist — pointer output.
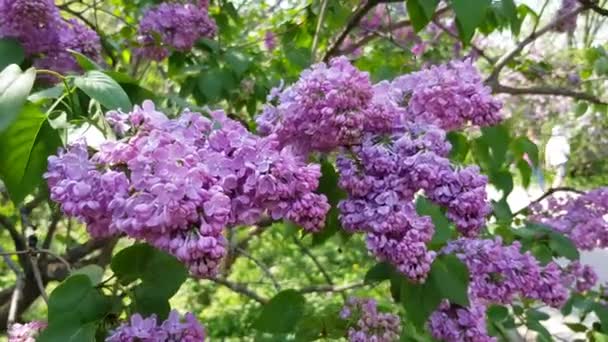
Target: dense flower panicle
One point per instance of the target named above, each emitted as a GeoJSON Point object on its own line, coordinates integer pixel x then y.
{"type": "Point", "coordinates": [382, 177]}
{"type": "Point", "coordinates": [34, 23]}
{"type": "Point", "coordinates": [45, 36]}
{"type": "Point", "coordinates": [26, 332]}
{"type": "Point", "coordinates": [582, 218]}
{"type": "Point", "coordinates": [501, 273]}
{"type": "Point", "coordinates": [323, 110]}
{"type": "Point", "coordinates": [173, 26]}
{"type": "Point", "coordinates": [582, 277]}
{"type": "Point", "coordinates": [449, 95]}
{"type": "Point", "coordinates": [178, 183]}
{"type": "Point", "coordinates": [567, 7]}
{"type": "Point", "coordinates": [367, 324]}
{"type": "Point", "coordinates": [453, 323]}
{"type": "Point", "coordinates": [83, 191]}
{"type": "Point", "coordinates": [174, 328]}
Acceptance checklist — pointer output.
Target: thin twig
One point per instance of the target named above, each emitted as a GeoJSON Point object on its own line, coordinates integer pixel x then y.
{"type": "Point", "coordinates": [38, 277]}
{"type": "Point", "coordinates": [547, 194]}
{"type": "Point", "coordinates": [477, 49]}
{"type": "Point", "coordinates": [331, 288]}
{"type": "Point", "coordinates": [262, 266]}
{"type": "Point", "coordinates": [546, 90]}
{"type": "Point", "coordinates": [12, 312]}
{"type": "Point", "coordinates": [315, 40]}
{"type": "Point", "coordinates": [505, 59]}
{"type": "Point", "coordinates": [594, 7]}
{"type": "Point", "coordinates": [241, 289]}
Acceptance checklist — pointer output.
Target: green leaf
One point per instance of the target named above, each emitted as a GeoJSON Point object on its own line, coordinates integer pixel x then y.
{"type": "Point", "coordinates": [497, 313]}
{"type": "Point", "coordinates": [576, 327]}
{"type": "Point", "coordinates": [143, 262]}
{"type": "Point", "coordinates": [443, 228]}
{"type": "Point", "coordinates": [503, 180]}
{"type": "Point", "coordinates": [421, 12]}
{"type": "Point", "coordinates": [542, 252]}
{"type": "Point", "coordinates": [450, 277]}
{"type": "Point", "coordinates": [460, 146]}
{"type": "Point", "coordinates": [601, 311]}
{"type": "Point", "coordinates": [15, 86]}
{"type": "Point", "coordinates": [281, 313]}
{"type": "Point", "coordinates": [502, 211]}
{"type": "Point", "coordinates": [469, 14]}
{"type": "Point", "coordinates": [25, 147]}
{"type": "Point", "coordinates": [537, 315]}
{"type": "Point", "coordinates": [298, 57]}
{"type": "Point", "coordinates": [599, 337]}
{"type": "Point", "coordinates": [11, 52]}
{"type": "Point", "coordinates": [563, 246]}
{"type": "Point", "coordinates": [211, 83]}
{"type": "Point", "coordinates": [419, 301]}
{"type": "Point", "coordinates": [379, 272]}
{"type": "Point", "coordinates": [48, 93]}
{"type": "Point", "coordinates": [238, 62]}
{"type": "Point", "coordinates": [85, 62]}
{"type": "Point", "coordinates": [104, 89]}
{"type": "Point", "coordinates": [94, 272]}
{"type": "Point", "coordinates": [68, 332]}
{"type": "Point", "coordinates": [543, 334]}
{"type": "Point", "coordinates": [328, 185]}
{"type": "Point", "coordinates": [77, 300]}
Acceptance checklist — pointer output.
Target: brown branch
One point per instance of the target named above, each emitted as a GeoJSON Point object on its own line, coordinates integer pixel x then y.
{"type": "Point", "coordinates": [353, 22]}
{"type": "Point", "coordinates": [594, 7]}
{"type": "Point", "coordinates": [240, 289]}
{"type": "Point", "coordinates": [545, 90]}
{"type": "Point", "coordinates": [331, 288]}
{"type": "Point", "coordinates": [545, 195]}
{"type": "Point", "coordinates": [492, 80]}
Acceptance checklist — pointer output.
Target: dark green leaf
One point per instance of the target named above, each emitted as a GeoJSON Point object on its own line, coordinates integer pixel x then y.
{"type": "Point", "coordinates": [601, 311]}
{"type": "Point", "coordinates": [542, 252]}
{"type": "Point", "coordinates": [563, 246]}
{"type": "Point", "coordinates": [281, 313]}
{"type": "Point", "coordinates": [497, 313]}
{"type": "Point", "coordinates": [419, 301]}
{"type": "Point", "coordinates": [11, 52]}
{"type": "Point", "coordinates": [502, 211]}
{"type": "Point", "coordinates": [15, 86]}
{"type": "Point", "coordinates": [469, 14]}
{"type": "Point", "coordinates": [443, 228]}
{"type": "Point", "coordinates": [537, 315]}
{"type": "Point", "coordinates": [25, 147]}
{"type": "Point", "coordinates": [460, 146]}
{"type": "Point", "coordinates": [450, 277]}
{"type": "Point", "coordinates": [238, 62]}
{"type": "Point", "coordinates": [68, 332]}
{"type": "Point", "coordinates": [379, 272]}
{"type": "Point", "coordinates": [104, 89]}
{"type": "Point", "coordinates": [576, 327]}
{"type": "Point", "coordinates": [543, 334]}
{"type": "Point", "coordinates": [328, 185]}
{"type": "Point", "coordinates": [211, 83]}
{"type": "Point", "coordinates": [421, 12]}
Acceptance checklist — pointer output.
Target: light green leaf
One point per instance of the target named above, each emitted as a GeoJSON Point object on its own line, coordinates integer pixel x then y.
{"type": "Point", "coordinates": [15, 85]}
{"type": "Point", "coordinates": [85, 62]}
{"type": "Point", "coordinates": [282, 313]}
{"type": "Point", "coordinates": [94, 272]}
{"type": "Point", "coordinates": [104, 89]}
{"type": "Point", "coordinates": [421, 12]}
{"type": "Point", "coordinates": [25, 147]}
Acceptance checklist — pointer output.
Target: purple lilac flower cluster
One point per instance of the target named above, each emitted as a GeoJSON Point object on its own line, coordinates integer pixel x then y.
{"type": "Point", "coordinates": [581, 218]}
{"type": "Point", "coordinates": [324, 109]}
{"type": "Point", "coordinates": [449, 95]}
{"type": "Point", "coordinates": [367, 324]}
{"type": "Point", "coordinates": [174, 328]}
{"type": "Point", "coordinates": [178, 183]}
{"type": "Point", "coordinates": [173, 26]}
{"type": "Point", "coordinates": [569, 24]}
{"type": "Point", "coordinates": [270, 40]}
{"type": "Point", "coordinates": [45, 35]}
{"type": "Point", "coordinates": [26, 332]}
{"type": "Point", "coordinates": [454, 323]}
{"type": "Point", "coordinates": [498, 274]}
{"type": "Point", "coordinates": [583, 277]}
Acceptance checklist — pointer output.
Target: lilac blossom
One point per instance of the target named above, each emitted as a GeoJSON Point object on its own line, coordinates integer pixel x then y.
{"type": "Point", "coordinates": [367, 324]}
{"type": "Point", "coordinates": [26, 332]}
{"type": "Point", "coordinates": [173, 26]}
{"type": "Point", "coordinates": [454, 323]}
{"type": "Point", "coordinates": [174, 328]}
